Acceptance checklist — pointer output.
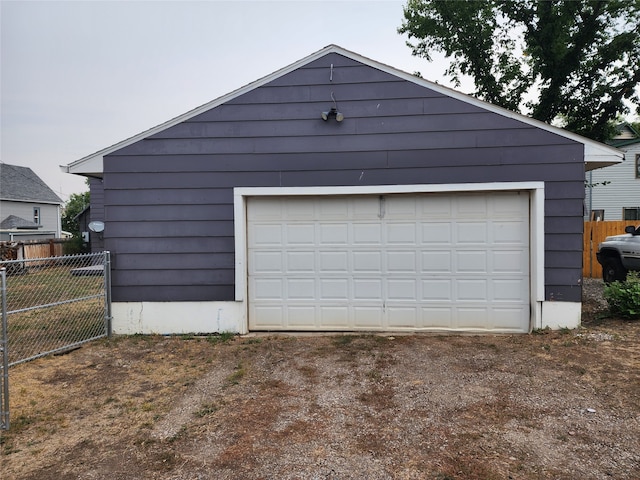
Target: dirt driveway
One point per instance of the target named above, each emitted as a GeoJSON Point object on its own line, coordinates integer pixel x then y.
{"type": "Point", "coordinates": [562, 405]}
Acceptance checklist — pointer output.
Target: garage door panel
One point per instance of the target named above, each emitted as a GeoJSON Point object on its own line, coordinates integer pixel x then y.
{"type": "Point", "coordinates": [472, 261]}
{"type": "Point", "coordinates": [437, 290]}
{"type": "Point", "coordinates": [471, 290]}
{"type": "Point", "coordinates": [268, 317]}
{"type": "Point", "coordinates": [333, 317]}
{"type": "Point", "coordinates": [301, 317]}
{"type": "Point", "coordinates": [510, 261]}
{"type": "Point", "coordinates": [472, 318]}
{"type": "Point", "coordinates": [437, 261]}
{"type": "Point", "coordinates": [404, 262]}
{"type": "Point", "coordinates": [363, 208]}
{"type": "Point", "coordinates": [268, 288]}
{"type": "Point", "coordinates": [367, 289]}
{"type": "Point", "coordinates": [265, 262]}
{"type": "Point", "coordinates": [471, 206]}
{"type": "Point", "coordinates": [300, 261]}
{"type": "Point", "coordinates": [510, 233]}
{"type": "Point", "coordinates": [402, 289]}
{"type": "Point", "coordinates": [333, 208]}
{"type": "Point", "coordinates": [265, 235]}
{"type": "Point", "coordinates": [300, 234]}
{"type": "Point", "coordinates": [333, 261]}
{"type": "Point", "coordinates": [437, 317]}
{"type": "Point", "coordinates": [334, 234]}
{"type": "Point", "coordinates": [368, 261]}
{"type": "Point", "coordinates": [401, 206]}
{"type": "Point", "coordinates": [334, 289]}
{"type": "Point", "coordinates": [367, 234]}
{"type": "Point", "coordinates": [510, 290]}
{"type": "Point", "coordinates": [402, 317]}
{"type": "Point", "coordinates": [471, 233]}
{"type": "Point", "coordinates": [402, 233]}
{"type": "Point", "coordinates": [367, 317]}
{"type": "Point", "coordinates": [437, 233]}
{"type": "Point", "coordinates": [301, 289]}
{"type": "Point", "coordinates": [433, 207]}
{"type": "Point", "coordinates": [502, 318]}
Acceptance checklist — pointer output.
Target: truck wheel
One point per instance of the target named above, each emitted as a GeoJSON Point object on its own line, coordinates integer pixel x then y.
{"type": "Point", "coordinates": [613, 271]}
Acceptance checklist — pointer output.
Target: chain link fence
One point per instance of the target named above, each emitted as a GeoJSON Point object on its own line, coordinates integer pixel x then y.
{"type": "Point", "coordinates": [50, 305]}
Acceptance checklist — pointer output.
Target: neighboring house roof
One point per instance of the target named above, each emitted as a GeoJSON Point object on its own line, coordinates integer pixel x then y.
{"type": "Point", "coordinates": [596, 154]}
{"type": "Point", "coordinates": [13, 222]}
{"type": "Point", "coordinates": [625, 131]}
{"type": "Point", "coordinates": [84, 211]}
{"type": "Point", "coordinates": [23, 185]}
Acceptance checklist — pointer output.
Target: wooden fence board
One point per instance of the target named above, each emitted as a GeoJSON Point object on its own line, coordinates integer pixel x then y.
{"type": "Point", "coordinates": [594, 234]}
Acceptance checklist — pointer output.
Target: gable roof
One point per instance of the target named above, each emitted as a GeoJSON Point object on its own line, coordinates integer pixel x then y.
{"type": "Point", "coordinates": [13, 222]}
{"type": "Point", "coordinates": [596, 154]}
{"type": "Point", "coordinates": [23, 185]}
{"type": "Point", "coordinates": [626, 135]}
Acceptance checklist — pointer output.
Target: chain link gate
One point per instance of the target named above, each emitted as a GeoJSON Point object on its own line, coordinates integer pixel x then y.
{"type": "Point", "coordinates": [51, 305]}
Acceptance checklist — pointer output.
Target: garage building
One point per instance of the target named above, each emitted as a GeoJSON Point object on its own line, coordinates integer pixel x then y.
{"type": "Point", "coordinates": [340, 194]}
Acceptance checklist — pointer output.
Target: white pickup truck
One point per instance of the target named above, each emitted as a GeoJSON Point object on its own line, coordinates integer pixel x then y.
{"type": "Point", "coordinates": [619, 253]}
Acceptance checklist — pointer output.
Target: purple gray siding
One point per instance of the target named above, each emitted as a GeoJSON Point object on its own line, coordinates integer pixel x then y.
{"type": "Point", "coordinates": [96, 213]}
{"type": "Point", "coordinates": [168, 199]}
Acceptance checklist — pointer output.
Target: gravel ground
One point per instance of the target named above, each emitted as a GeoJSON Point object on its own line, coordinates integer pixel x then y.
{"type": "Point", "coordinates": [560, 405]}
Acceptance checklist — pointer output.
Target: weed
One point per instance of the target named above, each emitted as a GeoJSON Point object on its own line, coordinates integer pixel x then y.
{"type": "Point", "coordinates": [579, 369]}
{"type": "Point", "coordinates": [205, 409]}
{"type": "Point", "coordinates": [541, 331]}
{"type": "Point", "coordinates": [624, 297]}
{"type": "Point", "coordinates": [236, 376]}
{"type": "Point", "coordinates": [223, 337]}
{"type": "Point", "coordinates": [343, 340]}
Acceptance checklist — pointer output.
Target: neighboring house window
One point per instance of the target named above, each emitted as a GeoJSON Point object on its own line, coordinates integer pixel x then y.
{"type": "Point", "coordinates": [638, 166]}
{"type": "Point", "coordinates": [597, 215]}
{"type": "Point", "coordinates": [36, 215]}
{"type": "Point", "coordinates": [631, 213]}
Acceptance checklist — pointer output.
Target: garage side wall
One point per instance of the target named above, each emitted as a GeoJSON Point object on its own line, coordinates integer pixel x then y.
{"type": "Point", "coordinates": [168, 199]}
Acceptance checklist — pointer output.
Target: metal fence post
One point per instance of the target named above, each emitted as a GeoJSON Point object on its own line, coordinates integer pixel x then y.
{"type": "Point", "coordinates": [107, 291]}
{"type": "Point", "coordinates": [4, 391]}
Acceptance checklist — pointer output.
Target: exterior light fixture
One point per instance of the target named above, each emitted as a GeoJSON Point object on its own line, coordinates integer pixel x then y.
{"type": "Point", "coordinates": [333, 112]}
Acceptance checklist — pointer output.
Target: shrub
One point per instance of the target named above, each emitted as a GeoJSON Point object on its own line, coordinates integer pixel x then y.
{"type": "Point", "coordinates": [624, 297]}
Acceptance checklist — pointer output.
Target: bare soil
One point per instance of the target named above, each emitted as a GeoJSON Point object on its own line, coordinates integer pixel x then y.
{"type": "Point", "coordinates": [560, 405]}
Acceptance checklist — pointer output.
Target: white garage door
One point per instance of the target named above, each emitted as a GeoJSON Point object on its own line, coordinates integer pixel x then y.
{"type": "Point", "coordinates": [389, 263]}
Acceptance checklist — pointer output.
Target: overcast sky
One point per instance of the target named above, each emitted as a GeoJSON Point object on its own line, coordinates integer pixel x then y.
{"type": "Point", "coordinates": [79, 76]}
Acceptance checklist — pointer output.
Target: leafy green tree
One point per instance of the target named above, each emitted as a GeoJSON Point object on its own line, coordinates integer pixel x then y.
{"type": "Point", "coordinates": [77, 203]}
{"type": "Point", "coordinates": [576, 62]}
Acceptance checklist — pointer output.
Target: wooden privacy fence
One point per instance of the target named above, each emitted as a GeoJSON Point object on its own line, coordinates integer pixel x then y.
{"type": "Point", "coordinates": [33, 249]}
{"type": "Point", "coordinates": [594, 233]}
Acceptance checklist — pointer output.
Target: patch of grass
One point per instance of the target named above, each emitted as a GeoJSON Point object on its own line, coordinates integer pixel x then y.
{"type": "Point", "coordinates": [343, 340]}
{"type": "Point", "coordinates": [206, 409]}
{"type": "Point", "coordinates": [223, 337]}
{"type": "Point", "coordinates": [541, 331]}
{"type": "Point", "coordinates": [236, 376]}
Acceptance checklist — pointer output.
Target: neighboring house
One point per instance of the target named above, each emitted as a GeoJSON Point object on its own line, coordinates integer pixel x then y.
{"type": "Point", "coordinates": [341, 194]}
{"type": "Point", "coordinates": [613, 193]}
{"type": "Point", "coordinates": [29, 209]}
